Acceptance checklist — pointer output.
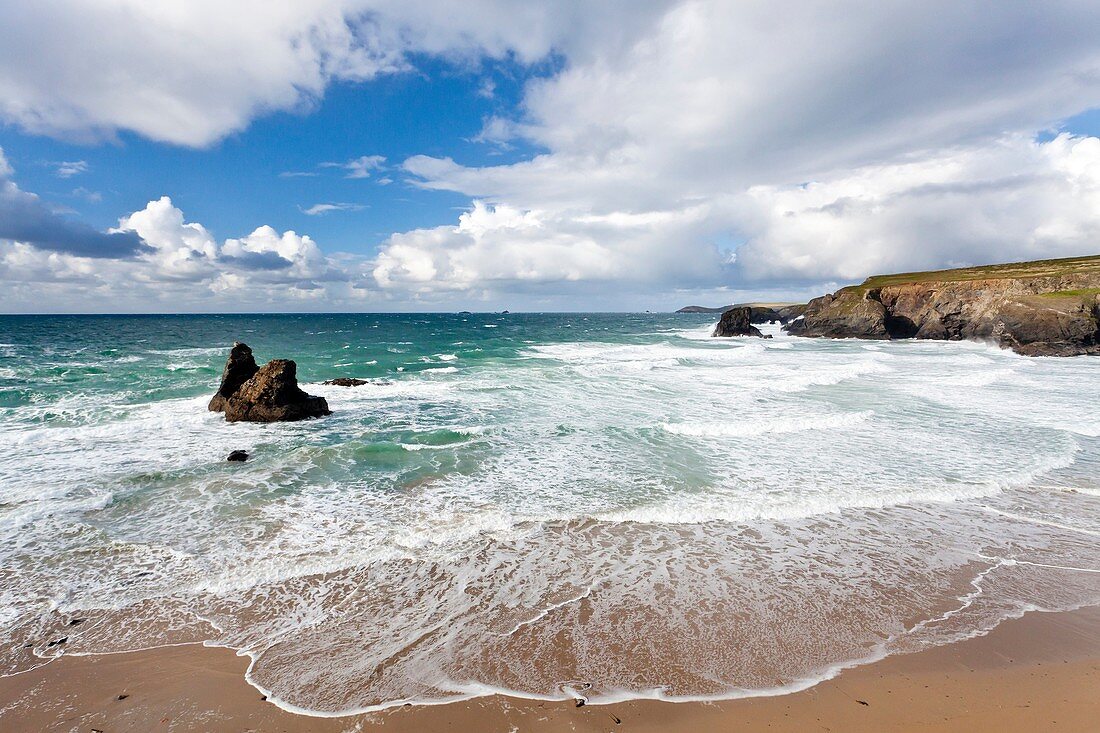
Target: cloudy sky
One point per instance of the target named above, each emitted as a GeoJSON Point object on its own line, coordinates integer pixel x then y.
{"type": "Point", "coordinates": [373, 155]}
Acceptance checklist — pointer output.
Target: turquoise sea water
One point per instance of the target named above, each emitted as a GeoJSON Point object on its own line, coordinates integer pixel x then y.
{"type": "Point", "coordinates": [612, 505]}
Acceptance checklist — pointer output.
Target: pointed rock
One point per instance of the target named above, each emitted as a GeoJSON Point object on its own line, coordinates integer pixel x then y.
{"type": "Point", "coordinates": [239, 368]}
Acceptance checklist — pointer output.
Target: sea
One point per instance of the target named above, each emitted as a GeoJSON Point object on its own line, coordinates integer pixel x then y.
{"type": "Point", "coordinates": [597, 506]}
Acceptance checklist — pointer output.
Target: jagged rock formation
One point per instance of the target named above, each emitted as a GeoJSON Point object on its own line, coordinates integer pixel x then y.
{"type": "Point", "coordinates": [238, 456]}
{"type": "Point", "coordinates": [346, 382]}
{"type": "Point", "coordinates": [1044, 308]}
{"type": "Point", "coordinates": [239, 368]}
{"type": "Point", "coordinates": [273, 395]}
{"type": "Point", "coordinates": [268, 394]}
{"type": "Point", "coordinates": [736, 322]}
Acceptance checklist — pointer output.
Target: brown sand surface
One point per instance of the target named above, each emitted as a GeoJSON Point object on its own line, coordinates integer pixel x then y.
{"type": "Point", "coordinates": [1037, 673]}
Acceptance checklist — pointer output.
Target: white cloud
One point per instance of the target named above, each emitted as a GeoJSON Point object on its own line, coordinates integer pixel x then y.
{"type": "Point", "coordinates": [193, 73]}
{"type": "Point", "coordinates": [843, 139]}
{"type": "Point", "coordinates": [183, 268]}
{"type": "Point", "coordinates": [87, 194]}
{"type": "Point", "coordinates": [318, 209]}
{"type": "Point", "coordinates": [68, 169]}
{"type": "Point", "coordinates": [505, 248]}
{"type": "Point", "coordinates": [6, 171]}
{"type": "Point", "coordinates": [718, 109]}
{"type": "Point", "coordinates": [360, 167]}
{"type": "Point", "coordinates": [1014, 199]}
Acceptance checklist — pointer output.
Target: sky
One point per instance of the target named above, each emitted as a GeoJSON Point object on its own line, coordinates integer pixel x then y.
{"type": "Point", "coordinates": [421, 155]}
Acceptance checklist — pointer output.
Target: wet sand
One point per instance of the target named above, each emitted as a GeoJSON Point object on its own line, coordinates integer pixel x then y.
{"type": "Point", "coordinates": [1040, 672]}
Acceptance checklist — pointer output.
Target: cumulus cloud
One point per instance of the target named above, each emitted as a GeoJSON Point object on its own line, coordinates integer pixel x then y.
{"type": "Point", "coordinates": [187, 251]}
{"type": "Point", "coordinates": [182, 266]}
{"type": "Point", "coordinates": [504, 247]}
{"type": "Point", "coordinates": [718, 110]}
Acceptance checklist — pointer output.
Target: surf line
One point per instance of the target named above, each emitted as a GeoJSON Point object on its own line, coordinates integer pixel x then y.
{"type": "Point", "coordinates": [552, 607]}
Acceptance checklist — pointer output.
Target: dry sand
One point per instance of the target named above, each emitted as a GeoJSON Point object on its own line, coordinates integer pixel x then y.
{"type": "Point", "coordinates": [1038, 673]}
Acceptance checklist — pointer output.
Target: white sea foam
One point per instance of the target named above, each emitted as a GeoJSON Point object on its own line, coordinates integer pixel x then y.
{"type": "Point", "coordinates": [793, 500]}
{"type": "Point", "coordinates": [762, 427]}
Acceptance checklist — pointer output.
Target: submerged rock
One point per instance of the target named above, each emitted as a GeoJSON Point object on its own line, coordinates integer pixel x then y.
{"type": "Point", "coordinates": [239, 368]}
{"type": "Point", "coordinates": [273, 395]}
{"type": "Point", "coordinates": [346, 382]}
{"type": "Point", "coordinates": [737, 322]}
{"type": "Point", "coordinates": [238, 456]}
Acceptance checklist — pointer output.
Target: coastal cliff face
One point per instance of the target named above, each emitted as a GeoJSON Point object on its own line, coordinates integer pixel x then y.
{"type": "Point", "coordinates": [1048, 308]}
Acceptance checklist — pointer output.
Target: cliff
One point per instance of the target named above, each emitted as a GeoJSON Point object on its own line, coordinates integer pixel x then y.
{"type": "Point", "coordinates": [1042, 308]}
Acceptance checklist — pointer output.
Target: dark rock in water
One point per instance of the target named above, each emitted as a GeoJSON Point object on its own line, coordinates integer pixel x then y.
{"type": "Point", "coordinates": [239, 368]}
{"type": "Point", "coordinates": [273, 395]}
{"type": "Point", "coordinates": [736, 322]}
{"type": "Point", "coordinates": [238, 456]}
{"type": "Point", "coordinates": [346, 382]}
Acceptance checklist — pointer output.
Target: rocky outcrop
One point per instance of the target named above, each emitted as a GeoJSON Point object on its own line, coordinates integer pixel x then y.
{"type": "Point", "coordinates": [736, 322]}
{"type": "Point", "coordinates": [273, 395]}
{"type": "Point", "coordinates": [239, 368]}
{"type": "Point", "coordinates": [346, 382]}
{"type": "Point", "coordinates": [789, 312]}
{"type": "Point", "coordinates": [1049, 308]}
{"type": "Point", "coordinates": [238, 456]}
{"type": "Point", "coordinates": [842, 315]}
{"type": "Point", "coordinates": [269, 394]}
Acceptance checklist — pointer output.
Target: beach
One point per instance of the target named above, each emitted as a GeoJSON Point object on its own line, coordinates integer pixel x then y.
{"type": "Point", "coordinates": [514, 511]}
{"type": "Point", "coordinates": [1039, 672]}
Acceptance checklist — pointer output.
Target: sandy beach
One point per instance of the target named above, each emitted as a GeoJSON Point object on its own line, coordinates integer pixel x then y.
{"type": "Point", "coordinates": [1038, 672]}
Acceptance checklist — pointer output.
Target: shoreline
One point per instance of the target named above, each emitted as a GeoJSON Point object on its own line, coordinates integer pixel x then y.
{"type": "Point", "coordinates": [1036, 672]}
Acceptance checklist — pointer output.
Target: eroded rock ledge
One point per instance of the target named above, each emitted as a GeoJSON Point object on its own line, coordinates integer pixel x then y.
{"type": "Point", "coordinates": [1044, 308]}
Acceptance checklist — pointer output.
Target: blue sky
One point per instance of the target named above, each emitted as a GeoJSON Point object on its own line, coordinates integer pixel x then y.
{"type": "Point", "coordinates": [241, 180]}
{"type": "Point", "coordinates": [631, 155]}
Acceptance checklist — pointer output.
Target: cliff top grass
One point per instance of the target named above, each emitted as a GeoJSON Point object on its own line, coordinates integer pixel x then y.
{"type": "Point", "coordinates": [1011, 270]}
